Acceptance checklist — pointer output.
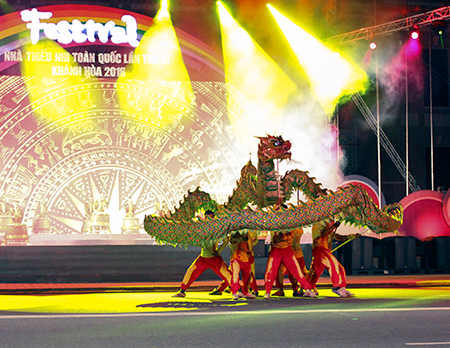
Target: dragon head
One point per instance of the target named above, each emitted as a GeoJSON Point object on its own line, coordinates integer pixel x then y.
{"type": "Point", "coordinates": [271, 148]}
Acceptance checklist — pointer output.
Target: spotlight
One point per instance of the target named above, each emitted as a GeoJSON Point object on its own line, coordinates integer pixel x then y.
{"type": "Point", "coordinates": [439, 27]}
{"type": "Point", "coordinates": [415, 32]}
{"type": "Point", "coordinates": [372, 45]}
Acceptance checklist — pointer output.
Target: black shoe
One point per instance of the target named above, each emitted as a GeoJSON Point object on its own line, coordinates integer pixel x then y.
{"type": "Point", "coordinates": [216, 292]}
{"type": "Point", "coordinates": [298, 293]}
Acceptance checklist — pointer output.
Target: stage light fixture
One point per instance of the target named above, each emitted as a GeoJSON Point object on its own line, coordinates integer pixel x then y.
{"type": "Point", "coordinates": [439, 27]}
{"type": "Point", "coordinates": [415, 32]}
{"type": "Point", "coordinates": [372, 45]}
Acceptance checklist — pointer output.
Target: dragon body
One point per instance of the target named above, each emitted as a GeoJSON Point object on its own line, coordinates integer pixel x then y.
{"type": "Point", "coordinates": [262, 188]}
{"type": "Point", "coordinates": [193, 201]}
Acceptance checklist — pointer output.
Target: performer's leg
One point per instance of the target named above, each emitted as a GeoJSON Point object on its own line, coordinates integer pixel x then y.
{"type": "Point", "coordinates": [317, 267]}
{"type": "Point", "coordinates": [246, 271]}
{"type": "Point", "coordinates": [343, 279]}
{"type": "Point", "coordinates": [252, 280]}
{"type": "Point", "coordinates": [280, 276]}
{"type": "Point", "coordinates": [292, 266]}
{"type": "Point", "coordinates": [294, 283]}
{"type": "Point", "coordinates": [293, 280]}
{"type": "Point", "coordinates": [253, 284]}
{"type": "Point", "coordinates": [222, 286]}
{"type": "Point", "coordinates": [194, 271]}
{"type": "Point", "coordinates": [302, 264]}
{"type": "Point", "coordinates": [279, 280]}
{"type": "Point", "coordinates": [220, 268]}
{"type": "Point", "coordinates": [273, 262]}
{"type": "Point", "coordinates": [235, 270]}
{"type": "Point", "coordinates": [336, 270]}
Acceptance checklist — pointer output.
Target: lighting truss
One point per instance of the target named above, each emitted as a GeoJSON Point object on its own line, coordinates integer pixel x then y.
{"type": "Point", "coordinates": [384, 29]}
{"type": "Point", "coordinates": [385, 142]}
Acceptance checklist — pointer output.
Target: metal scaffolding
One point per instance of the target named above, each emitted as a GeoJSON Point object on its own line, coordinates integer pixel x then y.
{"type": "Point", "coordinates": [407, 23]}
{"type": "Point", "coordinates": [385, 29]}
{"type": "Point", "coordinates": [385, 142]}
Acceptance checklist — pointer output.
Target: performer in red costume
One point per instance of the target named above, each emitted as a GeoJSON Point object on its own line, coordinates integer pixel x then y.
{"type": "Point", "coordinates": [281, 252]}
{"type": "Point", "coordinates": [323, 235]}
{"type": "Point", "coordinates": [209, 258]}
{"type": "Point", "coordinates": [241, 261]}
{"type": "Point", "coordinates": [241, 246]}
{"type": "Point", "coordinates": [298, 253]}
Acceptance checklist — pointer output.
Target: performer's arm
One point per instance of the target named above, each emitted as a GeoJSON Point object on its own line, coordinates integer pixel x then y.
{"type": "Point", "coordinates": [329, 229]}
{"type": "Point", "coordinates": [254, 236]}
{"type": "Point", "coordinates": [223, 245]}
{"type": "Point", "coordinates": [298, 233]}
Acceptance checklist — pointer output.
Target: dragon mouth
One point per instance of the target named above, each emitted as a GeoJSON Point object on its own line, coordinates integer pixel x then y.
{"type": "Point", "coordinates": [284, 156]}
{"type": "Point", "coordinates": [287, 156]}
{"type": "Point", "coordinates": [280, 157]}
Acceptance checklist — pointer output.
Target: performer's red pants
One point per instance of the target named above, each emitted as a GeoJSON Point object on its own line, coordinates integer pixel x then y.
{"type": "Point", "coordinates": [200, 265]}
{"type": "Point", "coordinates": [282, 271]}
{"type": "Point", "coordinates": [253, 284]}
{"type": "Point", "coordinates": [238, 266]}
{"type": "Point", "coordinates": [285, 255]}
{"type": "Point", "coordinates": [250, 278]}
{"type": "Point", "coordinates": [323, 258]}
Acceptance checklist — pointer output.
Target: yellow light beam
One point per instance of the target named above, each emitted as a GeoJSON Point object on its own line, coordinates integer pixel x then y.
{"type": "Point", "coordinates": [158, 56]}
{"type": "Point", "coordinates": [331, 75]}
{"type": "Point", "coordinates": [49, 68]}
{"type": "Point", "coordinates": [253, 74]}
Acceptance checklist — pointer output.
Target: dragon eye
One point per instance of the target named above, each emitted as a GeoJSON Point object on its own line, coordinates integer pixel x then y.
{"type": "Point", "coordinates": [275, 142]}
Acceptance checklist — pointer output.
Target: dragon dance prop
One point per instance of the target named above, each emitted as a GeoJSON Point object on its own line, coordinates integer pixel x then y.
{"type": "Point", "coordinates": [261, 187]}
{"type": "Point", "coordinates": [349, 205]}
